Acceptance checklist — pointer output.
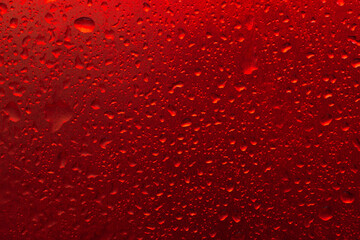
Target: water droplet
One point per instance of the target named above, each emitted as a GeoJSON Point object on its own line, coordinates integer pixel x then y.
{"type": "Point", "coordinates": [356, 63]}
{"type": "Point", "coordinates": [223, 216]}
{"type": "Point", "coordinates": [186, 123]}
{"type": "Point", "coordinates": [181, 34]}
{"type": "Point", "coordinates": [13, 22]}
{"type": "Point", "coordinates": [340, 3]}
{"type": "Point", "coordinates": [57, 114]}
{"type": "Point", "coordinates": [286, 47]}
{"type": "Point", "coordinates": [250, 69]}
{"type": "Point", "coordinates": [84, 24]}
{"type": "Point", "coordinates": [356, 144]}
{"type": "Point", "coordinates": [325, 213]}
{"type": "Point", "coordinates": [146, 7]}
{"type": "Point", "coordinates": [95, 105]}
{"type": "Point", "coordinates": [12, 110]}
{"type": "Point", "coordinates": [347, 197]}
{"type": "Point", "coordinates": [3, 8]}
{"type": "Point", "coordinates": [326, 121]}
{"type": "Point", "coordinates": [197, 72]}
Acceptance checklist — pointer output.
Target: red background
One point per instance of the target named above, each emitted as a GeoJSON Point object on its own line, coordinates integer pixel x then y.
{"type": "Point", "coordinates": [180, 120]}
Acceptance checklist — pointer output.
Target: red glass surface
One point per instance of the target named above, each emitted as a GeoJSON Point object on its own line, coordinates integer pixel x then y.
{"type": "Point", "coordinates": [179, 119]}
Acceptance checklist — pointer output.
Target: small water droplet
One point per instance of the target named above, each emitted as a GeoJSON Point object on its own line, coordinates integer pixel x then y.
{"type": "Point", "coordinates": [286, 47]}
{"type": "Point", "coordinates": [223, 216]}
{"type": "Point", "coordinates": [181, 34]}
{"type": "Point", "coordinates": [326, 121]}
{"type": "Point", "coordinates": [13, 22]}
{"type": "Point", "coordinates": [186, 123]}
{"type": "Point", "coordinates": [340, 3]}
{"type": "Point", "coordinates": [197, 72]}
{"type": "Point", "coordinates": [146, 7]}
{"type": "Point", "coordinates": [356, 63]}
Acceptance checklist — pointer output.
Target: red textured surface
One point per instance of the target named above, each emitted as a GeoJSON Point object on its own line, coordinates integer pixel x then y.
{"type": "Point", "coordinates": [179, 119]}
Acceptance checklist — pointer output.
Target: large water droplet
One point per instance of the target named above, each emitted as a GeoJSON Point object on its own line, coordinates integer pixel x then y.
{"type": "Point", "coordinates": [3, 8]}
{"type": "Point", "coordinates": [12, 110]}
{"type": "Point", "coordinates": [325, 213]}
{"type": "Point", "coordinates": [347, 197]}
{"type": "Point", "coordinates": [57, 114]}
{"type": "Point", "coordinates": [84, 24]}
